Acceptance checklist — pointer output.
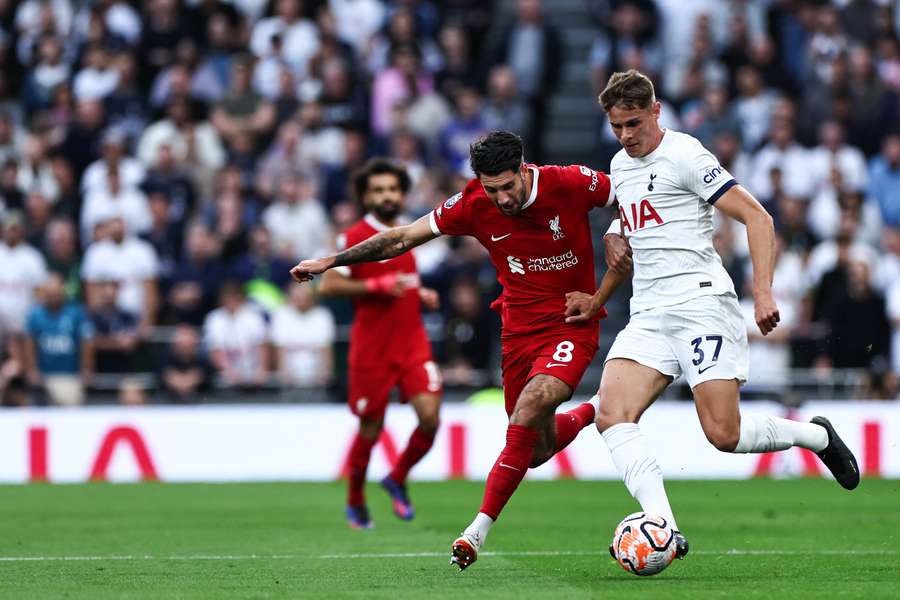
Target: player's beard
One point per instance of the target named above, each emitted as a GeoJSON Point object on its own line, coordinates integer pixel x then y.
{"type": "Point", "coordinates": [386, 212]}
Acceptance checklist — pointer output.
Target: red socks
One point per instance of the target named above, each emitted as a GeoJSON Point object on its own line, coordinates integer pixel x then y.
{"type": "Point", "coordinates": [509, 469]}
{"type": "Point", "coordinates": [418, 446]}
{"type": "Point", "coordinates": [360, 452]}
{"type": "Point", "coordinates": [569, 424]}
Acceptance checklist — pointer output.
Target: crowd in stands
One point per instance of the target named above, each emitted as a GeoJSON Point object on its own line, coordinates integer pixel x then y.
{"type": "Point", "coordinates": [164, 163]}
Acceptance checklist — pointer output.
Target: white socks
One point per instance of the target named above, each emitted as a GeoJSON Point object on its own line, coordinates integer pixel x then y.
{"type": "Point", "coordinates": [766, 434]}
{"type": "Point", "coordinates": [595, 402]}
{"type": "Point", "coordinates": [479, 528]}
{"type": "Point", "coordinates": [638, 469]}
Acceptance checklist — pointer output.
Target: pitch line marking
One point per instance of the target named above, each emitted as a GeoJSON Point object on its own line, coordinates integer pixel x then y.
{"type": "Point", "coordinates": [216, 557]}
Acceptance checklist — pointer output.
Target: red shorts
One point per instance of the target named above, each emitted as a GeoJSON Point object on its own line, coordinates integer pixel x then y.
{"type": "Point", "coordinates": [370, 388]}
{"type": "Point", "coordinates": [563, 352]}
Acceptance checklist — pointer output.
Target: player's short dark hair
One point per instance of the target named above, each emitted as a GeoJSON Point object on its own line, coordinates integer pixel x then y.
{"type": "Point", "coordinates": [631, 89]}
{"type": "Point", "coordinates": [379, 166]}
{"type": "Point", "coordinates": [495, 153]}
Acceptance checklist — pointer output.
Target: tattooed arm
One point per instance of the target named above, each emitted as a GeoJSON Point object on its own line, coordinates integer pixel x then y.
{"type": "Point", "coordinates": [386, 244]}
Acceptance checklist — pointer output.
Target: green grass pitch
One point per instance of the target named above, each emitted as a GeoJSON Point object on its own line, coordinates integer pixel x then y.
{"type": "Point", "coordinates": [749, 539]}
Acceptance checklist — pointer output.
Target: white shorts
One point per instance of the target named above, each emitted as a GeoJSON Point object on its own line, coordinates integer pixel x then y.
{"type": "Point", "coordinates": [702, 339]}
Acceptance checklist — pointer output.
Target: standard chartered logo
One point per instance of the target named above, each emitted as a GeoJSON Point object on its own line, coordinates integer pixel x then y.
{"type": "Point", "coordinates": [546, 263]}
{"type": "Point", "coordinates": [515, 265]}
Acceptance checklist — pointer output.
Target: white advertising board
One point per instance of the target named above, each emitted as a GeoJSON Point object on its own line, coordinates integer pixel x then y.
{"type": "Point", "coordinates": [310, 443]}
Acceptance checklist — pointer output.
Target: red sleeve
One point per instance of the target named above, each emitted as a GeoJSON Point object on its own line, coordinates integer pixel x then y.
{"type": "Point", "coordinates": [592, 187]}
{"type": "Point", "coordinates": [453, 216]}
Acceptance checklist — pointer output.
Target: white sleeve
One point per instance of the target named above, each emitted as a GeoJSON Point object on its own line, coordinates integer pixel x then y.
{"type": "Point", "coordinates": [212, 332]}
{"type": "Point", "coordinates": [148, 265]}
{"type": "Point", "coordinates": [615, 227]}
{"type": "Point", "coordinates": [702, 173]}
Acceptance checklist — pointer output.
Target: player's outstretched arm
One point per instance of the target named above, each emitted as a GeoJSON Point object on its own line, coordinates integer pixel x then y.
{"type": "Point", "coordinates": [384, 245]}
{"type": "Point", "coordinates": [739, 204]}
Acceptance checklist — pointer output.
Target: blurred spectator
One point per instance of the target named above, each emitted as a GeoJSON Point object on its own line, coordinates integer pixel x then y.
{"type": "Point", "coordinates": [50, 72]}
{"type": "Point", "coordinates": [261, 264]}
{"type": "Point", "coordinates": [403, 82]}
{"type": "Point", "coordinates": [236, 337]}
{"type": "Point", "coordinates": [116, 339]}
{"type": "Point", "coordinates": [785, 154]}
{"type": "Point", "coordinates": [164, 26]}
{"type": "Point", "coordinates": [114, 197]}
{"type": "Point", "coordinates": [402, 30]}
{"type": "Point", "coordinates": [12, 138]}
{"type": "Point", "coordinates": [725, 244]}
{"type": "Point", "coordinates": [873, 103]}
{"type": "Point", "coordinates": [298, 36]}
{"type": "Point", "coordinates": [458, 70]}
{"type": "Point", "coordinates": [243, 111]}
{"type": "Point", "coordinates": [320, 144]}
{"type": "Point", "coordinates": [13, 391]}
{"type": "Point", "coordinates": [470, 334]}
{"type": "Point", "coordinates": [531, 46]}
{"type": "Point", "coordinates": [164, 234]}
{"type": "Point", "coordinates": [282, 157]}
{"type": "Point", "coordinates": [11, 194]}
{"type": "Point", "coordinates": [343, 103]}
{"type": "Point", "coordinates": [303, 336]}
{"type": "Point", "coordinates": [98, 77]}
{"type": "Point", "coordinates": [753, 107]}
{"type": "Point", "coordinates": [36, 169]}
{"type": "Point", "coordinates": [57, 349]}
{"type": "Point", "coordinates": [38, 212]}
{"type": "Point", "coordinates": [859, 327]}
{"type": "Point", "coordinates": [466, 126]}
{"type": "Point", "coordinates": [120, 256]}
{"type": "Point", "coordinates": [625, 26]}
{"type": "Point", "coordinates": [336, 178]}
{"type": "Point", "coordinates": [63, 257]}
{"type": "Point", "coordinates": [229, 220]}
{"type": "Point", "coordinates": [357, 20]}
{"type": "Point", "coordinates": [197, 276]}
{"type": "Point", "coordinates": [130, 171]}
{"type": "Point", "coordinates": [195, 145]}
{"type": "Point", "coordinates": [185, 372]}
{"type": "Point", "coordinates": [23, 271]}
{"type": "Point", "coordinates": [126, 105]}
{"type": "Point", "coordinates": [504, 108]}
{"type": "Point", "coordinates": [707, 118]}
{"type": "Point", "coordinates": [81, 144]}
{"type": "Point", "coordinates": [171, 180]}
{"type": "Point", "coordinates": [837, 253]}
{"type": "Point", "coordinates": [834, 155]}
{"type": "Point", "coordinates": [726, 146]}
{"type": "Point", "coordinates": [884, 180]}
{"type": "Point", "coordinates": [296, 220]}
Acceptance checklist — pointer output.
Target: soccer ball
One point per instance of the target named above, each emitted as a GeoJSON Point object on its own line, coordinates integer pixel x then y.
{"type": "Point", "coordinates": [643, 544]}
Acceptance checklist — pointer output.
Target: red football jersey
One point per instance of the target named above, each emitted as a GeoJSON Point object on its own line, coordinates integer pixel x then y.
{"type": "Point", "coordinates": [386, 329]}
{"type": "Point", "coordinates": [543, 252]}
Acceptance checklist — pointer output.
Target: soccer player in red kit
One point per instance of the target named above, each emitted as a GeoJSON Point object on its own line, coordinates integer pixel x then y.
{"type": "Point", "coordinates": [388, 345]}
{"type": "Point", "coordinates": [534, 223]}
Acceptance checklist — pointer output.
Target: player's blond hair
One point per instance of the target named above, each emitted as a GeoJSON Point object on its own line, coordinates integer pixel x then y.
{"type": "Point", "coordinates": [631, 89]}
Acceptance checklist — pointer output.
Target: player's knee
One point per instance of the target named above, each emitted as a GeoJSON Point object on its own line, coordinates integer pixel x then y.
{"type": "Point", "coordinates": [370, 428]}
{"type": "Point", "coordinates": [429, 421]}
{"type": "Point", "coordinates": [723, 437]}
{"type": "Point", "coordinates": [613, 414]}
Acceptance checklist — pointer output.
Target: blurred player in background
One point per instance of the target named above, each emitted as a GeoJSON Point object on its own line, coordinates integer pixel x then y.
{"type": "Point", "coordinates": [534, 223]}
{"type": "Point", "coordinates": [685, 318]}
{"type": "Point", "coordinates": [388, 345]}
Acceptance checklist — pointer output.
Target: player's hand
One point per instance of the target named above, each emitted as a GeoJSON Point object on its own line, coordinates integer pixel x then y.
{"type": "Point", "coordinates": [306, 269]}
{"type": "Point", "coordinates": [618, 253]}
{"type": "Point", "coordinates": [766, 313]}
{"type": "Point", "coordinates": [430, 298]}
{"type": "Point", "coordinates": [580, 307]}
{"type": "Point", "coordinates": [392, 284]}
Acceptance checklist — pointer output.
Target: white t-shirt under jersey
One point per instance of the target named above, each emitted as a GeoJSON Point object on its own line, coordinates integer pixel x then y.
{"type": "Point", "coordinates": [665, 202]}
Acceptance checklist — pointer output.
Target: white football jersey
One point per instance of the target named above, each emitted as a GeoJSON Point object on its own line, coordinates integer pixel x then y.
{"type": "Point", "coordinates": [665, 203]}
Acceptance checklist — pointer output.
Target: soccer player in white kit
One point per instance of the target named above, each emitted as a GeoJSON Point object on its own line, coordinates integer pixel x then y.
{"type": "Point", "coordinates": [685, 318]}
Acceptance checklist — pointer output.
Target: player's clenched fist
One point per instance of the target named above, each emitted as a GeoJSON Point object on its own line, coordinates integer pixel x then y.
{"type": "Point", "coordinates": [306, 269]}
{"type": "Point", "coordinates": [767, 316]}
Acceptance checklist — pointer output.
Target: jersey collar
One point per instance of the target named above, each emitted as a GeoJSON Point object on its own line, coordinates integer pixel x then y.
{"type": "Point", "coordinates": [534, 188]}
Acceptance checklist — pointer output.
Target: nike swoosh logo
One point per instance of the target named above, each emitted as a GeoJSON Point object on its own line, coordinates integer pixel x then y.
{"type": "Point", "coordinates": [509, 467]}
{"type": "Point", "coordinates": [550, 365]}
{"type": "Point", "coordinates": [497, 239]}
{"type": "Point", "coordinates": [701, 371]}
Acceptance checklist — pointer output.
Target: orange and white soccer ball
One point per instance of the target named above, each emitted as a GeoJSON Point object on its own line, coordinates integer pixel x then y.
{"type": "Point", "coordinates": [643, 544]}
